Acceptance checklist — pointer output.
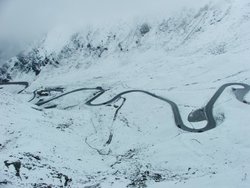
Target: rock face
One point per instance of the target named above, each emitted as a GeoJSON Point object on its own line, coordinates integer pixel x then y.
{"type": "Point", "coordinates": [172, 34]}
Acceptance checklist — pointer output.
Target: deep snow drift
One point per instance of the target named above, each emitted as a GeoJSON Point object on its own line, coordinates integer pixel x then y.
{"type": "Point", "coordinates": [184, 57]}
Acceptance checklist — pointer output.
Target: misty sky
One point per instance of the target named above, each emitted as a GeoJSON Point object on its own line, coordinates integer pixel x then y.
{"type": "Point", "coordinates": [27, 17]}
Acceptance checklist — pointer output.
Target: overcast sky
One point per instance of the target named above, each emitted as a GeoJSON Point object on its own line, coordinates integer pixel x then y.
{"type": "Point", "coordinates": [31, 16]}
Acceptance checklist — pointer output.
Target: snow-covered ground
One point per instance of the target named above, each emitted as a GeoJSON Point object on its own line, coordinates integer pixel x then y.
{"type": "Point", "coordinates": [185, 57]}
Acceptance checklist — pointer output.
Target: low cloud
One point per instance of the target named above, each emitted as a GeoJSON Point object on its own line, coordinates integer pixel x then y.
{"type": "Point", "coordinates": [28, 18]}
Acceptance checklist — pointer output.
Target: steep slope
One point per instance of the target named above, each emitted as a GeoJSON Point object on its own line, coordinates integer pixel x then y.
{"type": "Point", "coordinates": [132, 142]}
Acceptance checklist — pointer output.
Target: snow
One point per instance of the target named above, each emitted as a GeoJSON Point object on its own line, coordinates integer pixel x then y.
{"type": "Point", "coordinates": [185, 59]}
{"type": "Point", "coordinates": [57, 39]}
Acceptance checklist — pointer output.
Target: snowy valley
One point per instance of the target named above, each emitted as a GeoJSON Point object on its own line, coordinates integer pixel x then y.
{"type": "Point", "coordinates": [134, 140]}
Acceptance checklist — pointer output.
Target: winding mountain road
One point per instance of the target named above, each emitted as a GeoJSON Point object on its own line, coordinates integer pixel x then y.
{"type": "Point", "coordinates": [203, 114]}
{"type": "Point", "coordinates": [25, 84]}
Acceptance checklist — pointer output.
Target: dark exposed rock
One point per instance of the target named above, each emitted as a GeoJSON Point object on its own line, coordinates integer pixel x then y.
{"type": "Point", "coordinates": [32, 156]}
{"type": "Point", "coordinates": [142, 177]}
{"type": "Point", "coordinates": [4, 182]}
{"type": "Point", "coordinates": [145, 28]}
{"type": "Point", "coordinates": [41, 185]}
{"type": "Point", "coordinates": [16, 164]}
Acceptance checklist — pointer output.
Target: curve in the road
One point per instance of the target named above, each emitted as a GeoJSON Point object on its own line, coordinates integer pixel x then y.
{"type": "Point", "coordinates": [206, 112]}
{"type": "Point", "coordinates": [25, 84]}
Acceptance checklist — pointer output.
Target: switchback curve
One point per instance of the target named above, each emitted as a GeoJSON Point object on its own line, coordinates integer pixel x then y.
{"type": "Point", "coordinates": [207, 110]}
{"type": "Point", "coordinates": [25, 84]}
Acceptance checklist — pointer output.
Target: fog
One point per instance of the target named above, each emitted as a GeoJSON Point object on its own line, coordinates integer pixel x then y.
{"type": "Point", "coordinates": [28, 18]}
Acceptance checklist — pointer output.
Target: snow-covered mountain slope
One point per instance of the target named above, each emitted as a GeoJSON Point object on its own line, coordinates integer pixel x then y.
{"type": "Point", "coordinates": [134, 141]}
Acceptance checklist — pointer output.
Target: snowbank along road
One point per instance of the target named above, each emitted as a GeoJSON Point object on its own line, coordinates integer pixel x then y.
{"type": "Point", "coordinates": [204, 114]}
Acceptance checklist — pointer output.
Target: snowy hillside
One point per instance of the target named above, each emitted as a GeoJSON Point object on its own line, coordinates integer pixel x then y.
{"type": "Point", "coordinates": [135, 140]}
